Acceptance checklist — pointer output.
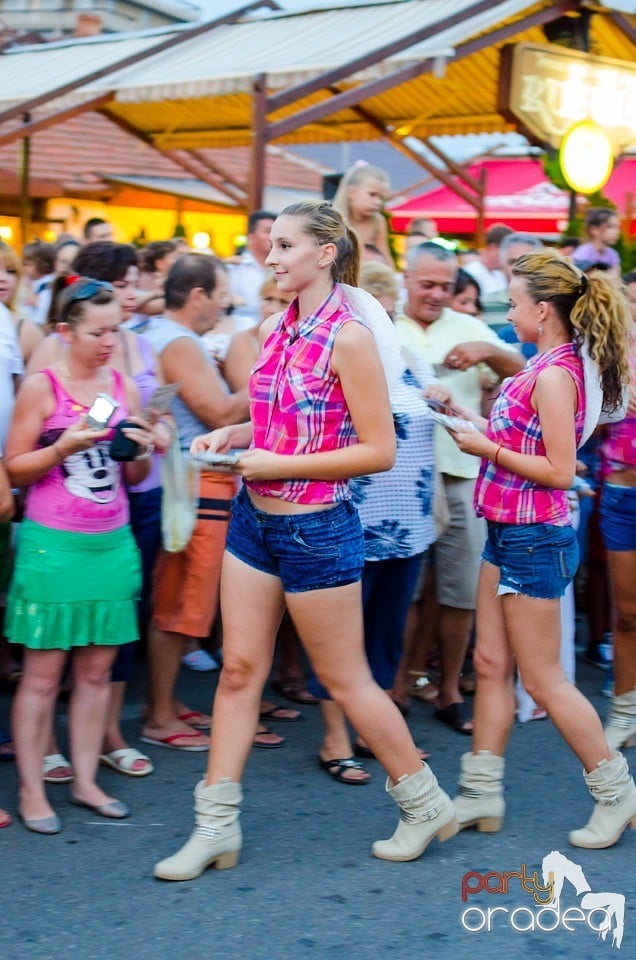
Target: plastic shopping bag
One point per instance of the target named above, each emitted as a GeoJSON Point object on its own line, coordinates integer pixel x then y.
{"type": "Point", "coordinates": [180, 498]}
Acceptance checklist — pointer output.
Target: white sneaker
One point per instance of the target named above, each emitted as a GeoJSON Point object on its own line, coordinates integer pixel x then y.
{"type": "Point", "coordinates": [199, 660]}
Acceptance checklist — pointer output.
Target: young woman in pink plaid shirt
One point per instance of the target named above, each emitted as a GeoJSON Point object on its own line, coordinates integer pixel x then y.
{"type": "Point", "coordinates": [320, 414]}
{"type": "Point", "coordinates": [529, 451]}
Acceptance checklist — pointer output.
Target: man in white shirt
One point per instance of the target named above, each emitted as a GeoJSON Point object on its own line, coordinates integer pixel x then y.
{"type": "Point", "coordinates": [457, 345]}
{"type": "Point", "coordinates": [487, 270]}
{"type": "Point", "coordinates": [495, 306]}
{"type": "Point", "coordinates": [247, 276]}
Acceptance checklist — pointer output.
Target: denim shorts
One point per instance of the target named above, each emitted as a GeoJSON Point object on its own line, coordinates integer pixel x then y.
{"type": "Point", "coordinates": [617, 514]}
{"type": "Point", "coordinates": [306, 551]}
{"type": "Point", "coordinates": [535, 559]}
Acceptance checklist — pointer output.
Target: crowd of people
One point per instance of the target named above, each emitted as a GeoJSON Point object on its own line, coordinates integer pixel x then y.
{"type": "Point", "coordinates": [407, 555]}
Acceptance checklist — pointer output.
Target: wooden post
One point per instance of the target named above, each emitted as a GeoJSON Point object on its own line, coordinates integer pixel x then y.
{"type": "Point", "coordinates": [481, 210]}
{"type": "Point", "coordinates": [628, 217]}
{"type": "Point", "coordinates": [25, 195]}
{"type": "Point", "coordinates": [259, 142]}
{"type": "Point", "coordinates": [179, 215]}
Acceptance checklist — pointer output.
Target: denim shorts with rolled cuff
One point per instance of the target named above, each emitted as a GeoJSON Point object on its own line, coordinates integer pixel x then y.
{"type": "Point", "coordinates": [306, 551]}
{"type": "Point", "coordinates": [534, 559]}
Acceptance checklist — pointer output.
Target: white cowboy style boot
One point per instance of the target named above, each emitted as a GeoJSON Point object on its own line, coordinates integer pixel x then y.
{"type": "Point", "coordinates": [216, 838]}
{"type": "Point", "coordinates": [613, 789]}
{"type": "Point", "coordinates": [620, 727]}
{"type": "Point", "coordinates": [425, 812]}
{"type": "Point", "coordinates": [479, 801]}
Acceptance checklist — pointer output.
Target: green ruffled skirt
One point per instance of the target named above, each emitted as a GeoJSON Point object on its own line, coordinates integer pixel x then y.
{"type": "Point", "coordinates": [73, 589]}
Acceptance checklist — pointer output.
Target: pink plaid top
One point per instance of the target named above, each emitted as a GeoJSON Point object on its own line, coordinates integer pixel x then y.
{"type": "Point", "coordinates": [618, 449]}
{"type": "Point", "coordinates": [296, 400]}
{"type": "Point", "coordinates": [505, 497]}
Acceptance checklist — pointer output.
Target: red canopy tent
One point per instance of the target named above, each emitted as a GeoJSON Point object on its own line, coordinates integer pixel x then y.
{"type": "Point", "coordinates": [519, 194]}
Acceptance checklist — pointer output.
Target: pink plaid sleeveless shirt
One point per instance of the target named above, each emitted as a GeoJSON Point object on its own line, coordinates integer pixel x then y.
{"type": "Point", "coordinates": [296, 400]}
{"type": "Point", "coordinates": [505, 497]}
{"type": "Point", "coordinates": [618, 449]}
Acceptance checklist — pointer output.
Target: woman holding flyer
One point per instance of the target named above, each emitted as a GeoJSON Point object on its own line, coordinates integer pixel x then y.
{"type": "Point", "coordinates": [581, 328]}
{"type": "Point", "coordinates": [320, 415]}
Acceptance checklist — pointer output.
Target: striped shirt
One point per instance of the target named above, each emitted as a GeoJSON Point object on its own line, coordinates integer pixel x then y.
{"type": "Point", "coordinates": [505, 497]}
{"type": "Point", "coordinates": [297, 404]}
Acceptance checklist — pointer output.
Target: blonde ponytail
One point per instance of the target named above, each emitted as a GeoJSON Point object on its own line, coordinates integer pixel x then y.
{"type": "Point", "coordinates": [593, 308]}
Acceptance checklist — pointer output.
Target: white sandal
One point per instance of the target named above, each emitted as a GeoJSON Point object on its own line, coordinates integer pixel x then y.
{"type": "Point", "coordinates": [123, 760]}
{"type": "Point", "coordinates": [52, 762]}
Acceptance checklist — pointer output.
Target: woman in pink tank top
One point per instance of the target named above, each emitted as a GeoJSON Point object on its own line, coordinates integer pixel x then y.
{"type": "Point", "coordinates": [320, 415]}
{"type": "Point", "coordinates": [531, 554]}
{"type": "Point", "coordinates": [77, 569]}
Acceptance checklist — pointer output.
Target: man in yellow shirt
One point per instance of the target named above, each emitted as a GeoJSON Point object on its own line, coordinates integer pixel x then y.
{"type": "Point", "coordinates": [458, 346]}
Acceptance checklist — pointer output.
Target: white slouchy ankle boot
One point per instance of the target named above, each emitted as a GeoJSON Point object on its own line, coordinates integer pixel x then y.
{"type": "Point", "coordinates": [479, 801]}
{"type": "Point", "coordinates": [612, 787]}
{"type": "Point", "coordinates": [216, 838]}
{"type": "Point", "coordinates": [425, 812]}
{"type": "Point", "coordinates": [620, 728]}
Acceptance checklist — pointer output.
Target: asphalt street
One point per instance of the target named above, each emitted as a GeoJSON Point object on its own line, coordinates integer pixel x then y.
{"type": "Point", "coordinates": [307, 886]}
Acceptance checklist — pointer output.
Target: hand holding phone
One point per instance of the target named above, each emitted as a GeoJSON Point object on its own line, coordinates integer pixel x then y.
{"type": "Point", "coordinates": [101, 412]}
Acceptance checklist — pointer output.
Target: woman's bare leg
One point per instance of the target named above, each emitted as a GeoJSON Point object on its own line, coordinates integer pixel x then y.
{"type": "Point", "coordinates": [329, 623]}
{"type": "Point", "coordinates": [33, 707]}
{"type": "Point", "coordinates": [622, 566]}
{"type": "Point", "coordinates": [87, 718]}
{"type": "Point", "coordinates": [494, 706]}
{"type": "Point", "coordinates": [252, 603]}
{"type": "Point", "coordinates": [534, 629]}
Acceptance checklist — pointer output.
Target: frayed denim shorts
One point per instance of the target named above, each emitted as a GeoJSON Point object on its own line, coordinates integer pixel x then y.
{"type": "Point", "coordinates": [617, 514]}
{"type": "Point", "coordinates": [306, 551]}
{"type": "Point", "coordinates": [534, 559]}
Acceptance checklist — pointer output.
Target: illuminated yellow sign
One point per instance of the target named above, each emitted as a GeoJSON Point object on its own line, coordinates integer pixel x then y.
{"type": "Point", "coordinates": [545, 90]}
{"type": "Point", "coordinates": [586, 157]}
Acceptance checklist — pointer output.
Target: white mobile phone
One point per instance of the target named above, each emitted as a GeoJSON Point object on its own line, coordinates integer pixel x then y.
{"type": "Point", "coordinates": [101, 411]}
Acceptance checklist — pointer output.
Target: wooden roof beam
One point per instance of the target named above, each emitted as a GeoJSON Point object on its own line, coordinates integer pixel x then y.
{"type": "Point", "coordinates": [35, 126]}
{"type": "Point", "coordinates": [233, 186]}
{"type": "Point", "coordinates": [475, 200]}
{"type": "Point", "coordinates": [175, 155]}
{"type": "Point", "coordinates": [624, 25]}
{"type": "Point", "coordinates": [338, 74]}
{"type": "Point", "coordinates": [455, 168]}
{"type": "Point", "coordinates": [365, 91]}
{"type": "Point", "coordinates": [186, 162]}
{"type": "Point", "coordinates": [134, 58]}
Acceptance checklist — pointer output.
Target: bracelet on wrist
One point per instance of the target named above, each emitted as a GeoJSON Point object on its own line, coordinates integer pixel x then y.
{"type": "Point", "coordinates": [496, 457]}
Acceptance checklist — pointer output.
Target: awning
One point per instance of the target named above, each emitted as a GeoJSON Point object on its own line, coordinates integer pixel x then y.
{"type": "Point", "coordinates": [518, 194]}
{"type": "Point", "coordinates": [198, 94]}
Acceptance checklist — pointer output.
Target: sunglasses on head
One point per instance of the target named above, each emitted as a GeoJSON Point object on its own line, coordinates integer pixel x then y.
{"type": "Point", "coordinates": [83, 288]}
